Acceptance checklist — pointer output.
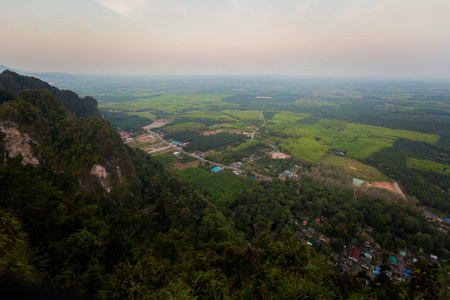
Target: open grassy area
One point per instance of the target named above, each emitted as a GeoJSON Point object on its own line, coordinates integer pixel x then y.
{"type": "Point", "coordinates": [305, 148]}
{"type": "Point", "coordinates": [355, 168]}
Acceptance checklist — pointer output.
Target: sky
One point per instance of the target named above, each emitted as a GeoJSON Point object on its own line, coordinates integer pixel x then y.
{"type": "Point", "coordinates": [315, 38]}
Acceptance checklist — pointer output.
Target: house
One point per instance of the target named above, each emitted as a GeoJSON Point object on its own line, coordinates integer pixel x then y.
{"type": "Point", "coordinates": [215, 169]}
{"type": "Point", "coordinates": [392, 260]}
{"type": "Point", "coordinates": [208, 152]}
{"type": "Point", "coordinates": [407, 273]}
{"type": "Point", "coordinates": [354, 254]}
{"type": "Point", "coordinates": [377, 270]}
{"type": "Point", "coordinates": [175, 143]}
{"type": "Point", "coordinates": [367, 255]}
{"type": "Point", "coordinates": [288, 172]}
{"type": "Point", "coordinates": [236, 164]}
{"type": "Point", "coordinates": [324, 239]}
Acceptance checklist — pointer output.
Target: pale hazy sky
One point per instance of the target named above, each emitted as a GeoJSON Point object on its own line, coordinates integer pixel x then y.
{"type": "Point", "coordinates": [389, 38]}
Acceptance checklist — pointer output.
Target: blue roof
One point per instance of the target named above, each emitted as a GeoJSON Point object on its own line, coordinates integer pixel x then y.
{"type": "Point", "coordinates": [408, 273]}
{"type": "Point", "coordinates": [447, 219]}
{"type": "Point", "coordinates": [216, 169]}
{"type": "Point", "coordinates": [392, 260]}
{"type": "Point", "coordinates": [278, 150]}
{"type": "Point", "coordinates": [377, 270]}
{"type": "Point", "coordinates": [175, 143]}
{"type": "Point", "coordinates": [287, 172]}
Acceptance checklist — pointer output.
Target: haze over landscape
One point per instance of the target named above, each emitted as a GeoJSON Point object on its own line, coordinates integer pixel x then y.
{"type": "Point", "coordinates": [321, 38]}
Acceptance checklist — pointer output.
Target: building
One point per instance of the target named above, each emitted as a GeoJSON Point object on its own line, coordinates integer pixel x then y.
{"type": "Point", "coordinates": [392, 260]}
{"type": "Point", "coordinates": [354, 254]}
{"type": "Point", "coordinates": [324, 239]}
{"type": "Point", "coordinates": [357, 182]}
{"type": "Point", "coordinates": [215, 169]}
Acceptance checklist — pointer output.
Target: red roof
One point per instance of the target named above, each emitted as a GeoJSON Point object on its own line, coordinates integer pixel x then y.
{"type": "Point", "coordinates": [355, 253]}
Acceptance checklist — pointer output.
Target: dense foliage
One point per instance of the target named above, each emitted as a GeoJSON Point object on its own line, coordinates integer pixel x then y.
{"type": "Point", "coordinates": [81, 107]}
{"type": "Point", "coordinates": [431, 188]}
{"type": "Point", "coordinates": [206, 142]}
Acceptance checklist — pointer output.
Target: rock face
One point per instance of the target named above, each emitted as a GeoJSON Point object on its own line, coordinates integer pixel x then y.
{"type": "Point", "coordinates": [101, 176]}
{"type": "Point", "coordinates": [19, 143]}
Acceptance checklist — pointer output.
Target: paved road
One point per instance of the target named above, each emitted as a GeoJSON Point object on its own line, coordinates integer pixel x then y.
{"type": "Point", "coordinates": [179, 149]}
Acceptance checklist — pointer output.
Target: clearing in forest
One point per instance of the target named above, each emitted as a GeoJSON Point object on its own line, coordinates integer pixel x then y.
{"type": "Point", "coordinates": [390, 186]}
{"type": "Point", "coordinates": [356, 168]}
{"type": "Point", "coordinates": [157, 124]}
{"type": "Point", "coordinates": [181, 166]}
{"type": "Point", "coordinates": [279, 155]}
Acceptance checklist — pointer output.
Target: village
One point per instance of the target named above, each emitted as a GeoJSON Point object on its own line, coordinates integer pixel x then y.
{"type": "Point", "coordinates": [363, 253]}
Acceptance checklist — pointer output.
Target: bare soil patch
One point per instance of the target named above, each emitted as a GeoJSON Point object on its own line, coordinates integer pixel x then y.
{"type": "Point", "coordinates": [392, 187]}
{"type": "Point", "coordinates": [192, 164]}
{"type": "Point", "coordinates": [206, 133]}
{"type": "Point", "coordinates": [158, 123]}
{"type": "Point", "coordinates": [279, 155]}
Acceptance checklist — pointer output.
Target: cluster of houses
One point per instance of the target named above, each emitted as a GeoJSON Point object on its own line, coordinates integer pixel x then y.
{"type": "Point", "coordinates": [237, 164]}
{"type": "Point", "coordinates": [179, 144]}
{"type": "Point", "coordinates": [368, 257]}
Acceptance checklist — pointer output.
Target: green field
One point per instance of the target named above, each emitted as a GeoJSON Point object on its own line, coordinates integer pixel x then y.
{"type": "Point", "coordinates": [244, 115]}
{"type": "Point", "coordinates": [426, 165]}
{"type": "Point", "coordinates": [145, 115]}
{"type": "Point", "coordinates": [218, 116]}
{"type": "Point", "coordinates": [356, 140]}
{"type": "Point", "coordinates": [171, 103]}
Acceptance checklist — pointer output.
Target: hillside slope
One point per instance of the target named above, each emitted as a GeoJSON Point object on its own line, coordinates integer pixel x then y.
{"type": "Point", "coordinates": [81, 107]}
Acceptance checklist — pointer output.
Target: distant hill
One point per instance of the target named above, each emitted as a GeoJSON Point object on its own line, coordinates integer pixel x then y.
{"type": "Point", "coordinates": [81, 107]}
